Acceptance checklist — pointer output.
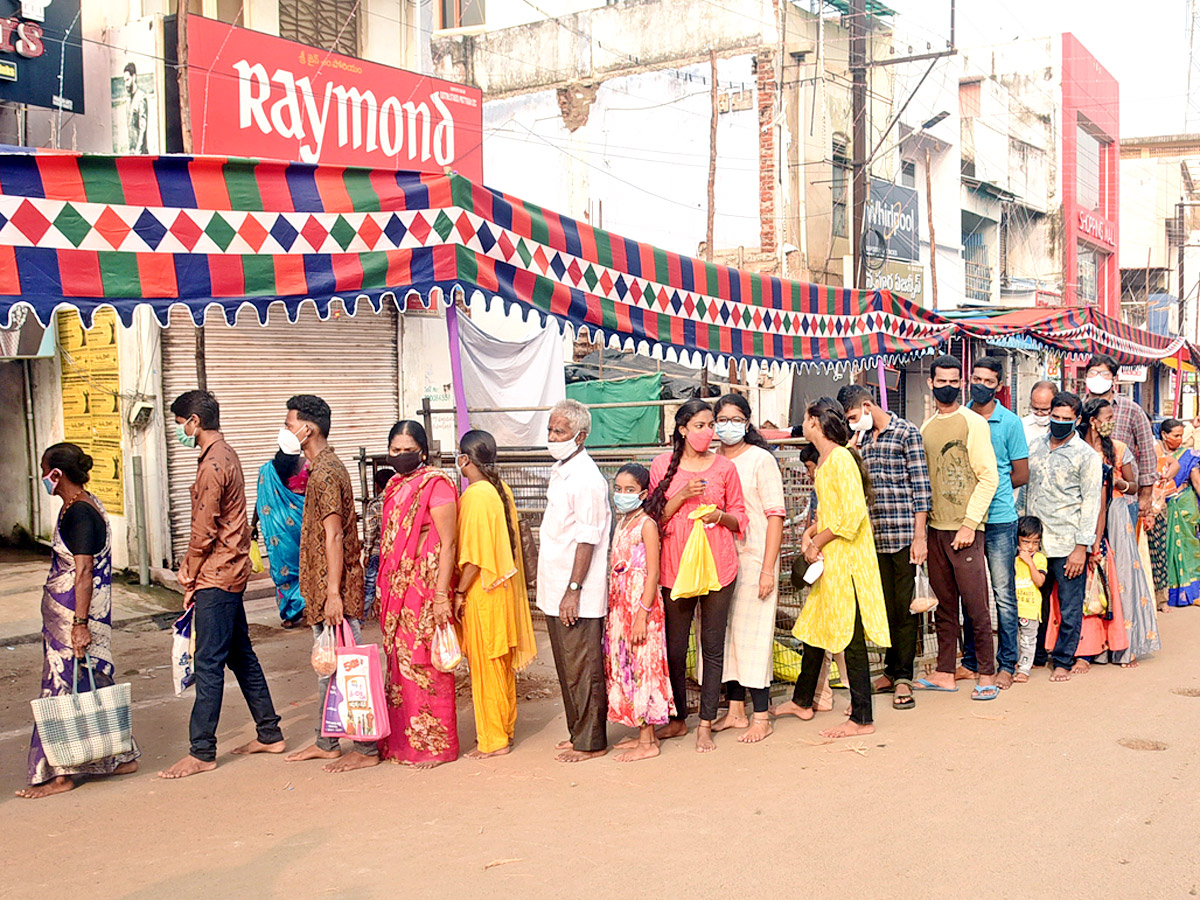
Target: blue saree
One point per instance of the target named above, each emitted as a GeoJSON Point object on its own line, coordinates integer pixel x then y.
{"type": "Point", "coordinates": [280, 512]}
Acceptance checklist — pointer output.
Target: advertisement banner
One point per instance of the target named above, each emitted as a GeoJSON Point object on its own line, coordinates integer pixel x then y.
{"type": "Point", "coordinates": [41, 54]}
{"type": "Point", "coordinates": [268, 98]}
{"type": "Point", "coordinates": [135, 75]}
{"type": "Point", "coordinates": [903, 279]}
{"type": "Point", "coordinates": [893, 221]}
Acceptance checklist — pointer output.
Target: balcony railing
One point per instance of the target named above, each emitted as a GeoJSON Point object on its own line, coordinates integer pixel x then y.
{"type": "Point", "coordinates": [978, 281]}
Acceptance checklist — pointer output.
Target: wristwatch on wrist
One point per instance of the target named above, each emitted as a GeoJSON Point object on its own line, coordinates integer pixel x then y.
{"type": "Point", "coordinates": [574, 586]}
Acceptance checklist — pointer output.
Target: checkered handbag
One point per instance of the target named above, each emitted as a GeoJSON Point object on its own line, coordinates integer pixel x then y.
{"type": "Point", "coordinates": [77, 729]}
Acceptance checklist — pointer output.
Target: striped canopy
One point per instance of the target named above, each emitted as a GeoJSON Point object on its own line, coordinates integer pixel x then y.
{"type": "Point", "coordinates": [86, 232]}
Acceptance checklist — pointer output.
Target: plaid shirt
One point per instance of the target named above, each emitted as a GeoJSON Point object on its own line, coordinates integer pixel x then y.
{"type": "Point", "coordinates": [895, 459]}
{"type": "Point", "coordinates": [1133, 430]}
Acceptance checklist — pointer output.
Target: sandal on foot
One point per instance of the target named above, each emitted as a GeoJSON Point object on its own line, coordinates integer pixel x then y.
{"type": "Point", "coordinates": [904, 701]}
{"type": "Point", "coordinates": [924, 684]}
{"type": "Point", "coordinates": [986, 692]}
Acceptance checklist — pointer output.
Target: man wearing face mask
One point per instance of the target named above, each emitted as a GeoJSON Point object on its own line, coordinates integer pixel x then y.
{"type": "Point", "coordinates": [963, 477]}
{"type": "Point", "coordinates": [331, 569]}
{"type": "Point", "coordinates": [214, 574]}
{"type": "Point", "coordinates": [572, 583]}
{"type": "Point", "coordinates": [1064, 492]}
{"type": "Point", "coordinates": [1037, 422]}
{"type": "Point", "coordinates": [1133, 426]}
{"type": "Point", "coordinates": [1000, 533]}
{"type": "Point", "coordinates": [895, 456]}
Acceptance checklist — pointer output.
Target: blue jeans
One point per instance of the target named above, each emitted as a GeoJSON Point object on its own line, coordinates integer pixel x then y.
{"type": "Point", "coordinates": [1070, 605]}
{"type": "Point", "coordinates": [1000, 548]}
{"type": "Point", "coordinates": [370, 574]}
{"type": "Point", "coordinates": [366, 748]}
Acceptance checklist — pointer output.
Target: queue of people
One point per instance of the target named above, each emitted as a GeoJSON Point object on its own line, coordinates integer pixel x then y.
{"type": "Point", "coordinates": [1074, 524]}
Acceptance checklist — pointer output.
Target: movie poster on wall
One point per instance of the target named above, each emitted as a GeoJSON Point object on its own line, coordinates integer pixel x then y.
{"type": "Point", "coordinates": [136, 86]}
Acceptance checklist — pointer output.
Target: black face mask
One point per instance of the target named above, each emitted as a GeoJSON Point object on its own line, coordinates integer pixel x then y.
{"type": "Point", "coordinates": [1060, 431]}
{"type": "Point", "coordinates": [946, 393]}
{"type": "Point", "coordinates": [406, 462]}
{"type": "Point", "coordinates": [982, 394]}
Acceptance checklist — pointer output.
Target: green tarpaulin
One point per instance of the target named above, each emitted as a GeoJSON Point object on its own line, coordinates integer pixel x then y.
{"type": "Point", "coordinates": [633, 425]}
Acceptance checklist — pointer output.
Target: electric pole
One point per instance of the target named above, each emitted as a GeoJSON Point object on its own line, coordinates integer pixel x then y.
{"type": "Point", "coordinates": [858, 112]}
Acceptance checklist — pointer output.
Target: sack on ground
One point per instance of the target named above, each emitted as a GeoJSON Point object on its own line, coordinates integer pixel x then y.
{"type": "Point", "coordinates": [697, 567]}
{"type": "Point", "coordinates": [324, 653]}
{"type": "Point", "coordinates": [445, 651]}
{"type": "Point", "coordinates": [77, 729]}
{"type": "Point", "coordinates": [355, 703]}
{"type": "Point", "coordinates": [924, 599]}
{"type": "Point", "coordinates": [183, 652]}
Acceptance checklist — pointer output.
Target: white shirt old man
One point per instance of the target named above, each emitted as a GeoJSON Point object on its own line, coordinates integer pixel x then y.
{"type": "Point", "coordinates": [577, 512]}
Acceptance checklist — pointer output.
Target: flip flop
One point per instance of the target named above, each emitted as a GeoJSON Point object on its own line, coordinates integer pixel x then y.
{"type": "Point", "coordinates": [986, 692]}
{"type": "Point", "coordinates": [924, 684]}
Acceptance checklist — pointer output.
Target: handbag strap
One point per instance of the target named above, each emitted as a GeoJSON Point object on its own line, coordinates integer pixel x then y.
{"type": "Point", "coordinates": [345, 635]}
{"type": "Point", "coordinates": [87, 661]}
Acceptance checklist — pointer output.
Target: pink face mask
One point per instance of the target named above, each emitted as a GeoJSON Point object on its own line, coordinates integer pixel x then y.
{"type": "Point", "coordinates": [699, 440]}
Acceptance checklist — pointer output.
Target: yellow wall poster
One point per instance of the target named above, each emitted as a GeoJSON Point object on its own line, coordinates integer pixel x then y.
{"type": "Point", "coordinates": [91, 401]}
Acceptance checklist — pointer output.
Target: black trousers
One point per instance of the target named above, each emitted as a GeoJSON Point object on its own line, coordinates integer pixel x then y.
{"type": "Point", "coordinates": [714, 616]}
{"type": "Point", "coordinates": [579, 659]}
{"type": "Point", "coordinates": [760, 698]}
{"type": "Point", "coordinates": [899, 581]}
{"type": "Point", "coordinates": [858, 673]}
{"type": "Point", "coordinates": [223, 641]}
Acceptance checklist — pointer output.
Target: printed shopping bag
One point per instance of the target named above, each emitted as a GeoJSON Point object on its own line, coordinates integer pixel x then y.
{"type": "Point", "coordinates": [697, 568]}
{"type": "Point", "coordinates": [355, 707]}
{"type": "Point", "coordinates": [77, 729]}
{"type": "Point", "coordinates": [924, 599]}
{"type": "Point", "coordinates": [183, 652]}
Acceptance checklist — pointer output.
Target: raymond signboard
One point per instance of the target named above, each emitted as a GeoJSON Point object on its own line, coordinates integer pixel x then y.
{"type": "Point", "coordinates": [892, 214]}
{"type": "Point", "coordinates": [264, 97]}
{"type": "Point", "coordinates": [41, 54]}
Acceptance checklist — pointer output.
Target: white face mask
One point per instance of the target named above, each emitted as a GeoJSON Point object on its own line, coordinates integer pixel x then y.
{"type": "Point", "coordinates": [560, 450]}
{"type": "Point", "coordinates": [1099, 384]}
{"type": "Point", "coordinates": [288, 442]}
{"type": "Point", "coordinates": [1041, 421]}
{"type": "Point", "coordinates": [864, 423]}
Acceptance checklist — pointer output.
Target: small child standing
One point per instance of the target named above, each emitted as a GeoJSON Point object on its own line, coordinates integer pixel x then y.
{"type": "Point", "coordinates": [1030, 573]}
{"type": "Point", "coordinates": [373, 525]}
{"type": "Point", "coordinates": [635, 640]}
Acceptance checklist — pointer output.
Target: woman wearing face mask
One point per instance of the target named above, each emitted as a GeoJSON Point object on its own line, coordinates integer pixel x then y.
{"type": "Point", "coordinates": [635, 650]}
{"type": "Point", "coordinates": [491, 597]}
{"type": "Point", "coordinates": [76, 611]}
{"type": "Point", "coordinates": [279, 509]}
{"type": "Point", "coordinates": [1182, 544]}
{"type": "Point", "coordinates": [689, 476]}
{"type": "Point", "coordinates": [750, 638]}
{"type": "Point", "coordinates": [417, 548]}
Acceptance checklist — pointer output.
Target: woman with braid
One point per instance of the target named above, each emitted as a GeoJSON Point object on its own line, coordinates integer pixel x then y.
{"type": "Point", "coordinates": [491, 599]}
{"type": "Point", "coordinates": [689, 476]}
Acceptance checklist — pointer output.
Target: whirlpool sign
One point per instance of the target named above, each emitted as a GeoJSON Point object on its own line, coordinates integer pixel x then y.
{"type": "Point", "coordinates": [41, 54]}
{"type": "Point", "coordinates": [892, 222]}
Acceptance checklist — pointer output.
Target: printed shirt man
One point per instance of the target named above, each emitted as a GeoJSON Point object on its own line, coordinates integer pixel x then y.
{"type": "Point", "coordinates": [329, 492]}
{"type": "Point", "coordinates": [1064, 492]}
{"type": "Point", "coordinates": [895, 458]}
{"type": "Point", "coordinates": [1133, 430]}
{"type": "Point", "coordinates": [218, 553]}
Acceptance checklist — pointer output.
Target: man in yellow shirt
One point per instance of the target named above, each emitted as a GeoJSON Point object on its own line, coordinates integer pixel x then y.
{"type": "Point", "coordinates": [964, 477]}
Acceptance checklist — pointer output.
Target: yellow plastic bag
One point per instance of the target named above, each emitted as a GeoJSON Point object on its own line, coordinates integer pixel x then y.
{"type": "Point", "coordinates": [256, 560]}
{"type": "Point", "coordinates": [697, 568]}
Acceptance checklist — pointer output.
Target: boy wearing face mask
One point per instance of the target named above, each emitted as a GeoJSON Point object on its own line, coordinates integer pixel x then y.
{"type": "Point", "coordinates": [1000, 533]}
{"type": "Point", "coordinates": [1133, 426]}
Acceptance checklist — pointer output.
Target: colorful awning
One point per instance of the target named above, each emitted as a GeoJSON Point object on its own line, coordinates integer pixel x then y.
{"type": "Point", "coordinates": [85, 232]}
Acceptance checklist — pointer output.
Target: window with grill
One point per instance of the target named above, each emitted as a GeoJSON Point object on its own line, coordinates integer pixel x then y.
{"type": "Point", "coordinates": [841, 179]}
{"type": "Point", "coordinates": [462, 13]}
{"type": "Point", "coordinates": [328, 24]}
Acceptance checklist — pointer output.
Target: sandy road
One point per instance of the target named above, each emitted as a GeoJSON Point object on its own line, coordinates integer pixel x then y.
{"type": "Point", "coordinates": [1027, 796]}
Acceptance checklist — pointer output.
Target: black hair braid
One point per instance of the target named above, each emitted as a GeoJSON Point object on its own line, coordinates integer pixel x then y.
{"type": "Point", "coordinates": [657, 501]}
{"type": "Point", "coordinates": [489, 472]}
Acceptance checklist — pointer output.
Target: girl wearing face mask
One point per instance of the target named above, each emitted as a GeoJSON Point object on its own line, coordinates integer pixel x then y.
{"type": "Point", "coordinates": [1182, 545]}
{"type": "Point", "coordinates": [279, 510]}
{"type": "Point", "coordinates": [750, 638]}
{"type": "Point", "coordinates": [689, 476]}
{"type": "Point", "coordinates": [417, 546]}
{"type": "Point", "coordinates": [635, 649]}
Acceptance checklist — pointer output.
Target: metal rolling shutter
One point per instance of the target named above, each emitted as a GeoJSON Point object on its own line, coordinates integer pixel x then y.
{"type": "Point", "coordinates": [350, 361]}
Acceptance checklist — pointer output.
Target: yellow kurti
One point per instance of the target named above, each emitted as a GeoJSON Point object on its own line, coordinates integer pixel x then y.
{"type": "Point", "coordinates": [497, 628]}
{"type": "Point", "coordinates": [851, 566]}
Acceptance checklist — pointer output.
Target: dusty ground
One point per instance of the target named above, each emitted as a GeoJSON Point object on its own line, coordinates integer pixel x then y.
{"type": "Point", "coordinates": [1028, 796]}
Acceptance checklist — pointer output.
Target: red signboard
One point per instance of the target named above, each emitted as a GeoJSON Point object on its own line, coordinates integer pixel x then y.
{"type": "Point", "coordinates": [263, 97]}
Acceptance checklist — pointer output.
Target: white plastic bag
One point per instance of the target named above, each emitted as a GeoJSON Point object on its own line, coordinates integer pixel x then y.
{"type": "Point", "coordinates": [183, 652]}
{"type": "Point", "coordinates": [924, 599]}
{"type": "Point", "coordinates": [445, 652]}
{"type": "Point", "coordinates": [324, 653]}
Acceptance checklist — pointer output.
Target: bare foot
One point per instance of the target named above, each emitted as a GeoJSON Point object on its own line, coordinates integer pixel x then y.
{"type": "Point", "coordinates": [1081, 667]}
{"type": "Point", "coordinates": [792, 708]}
{"type": "Point", "coordinates": [189, 765]}
{"type": "Point", "coordinates": [673, 729]}
{"type": "Point", "coordinates": [563, 745]}
{"type": "Point", "coordinates": [704, 738]}
{"type": "Point", "coordinates": [1004, 680]}
{"type": "Point", "coordinates": [848, 729]}
{"type": "Point", "coordinates": [962, 673]}
{"type": "Point", "coordinates": [760, 730]}
{"type": "Point", "coordinates": [574, 756]}
{"type": "Point", "coordinates": [728, 721]}
{"type": "Point", "coordinates": [349, 762]}
{"type": "Point", "coordinates": [479, 754]}
{"type": "Point", "coordinates": [431, 764]}
{"type": "Point", "coordinates": [126, 768]}
{"type": "Point", "coordinates": [257, 746]}
{"type": "Point", "coordinates": [883, 685]}
{"type": "Point", "coordinates": [1021, 678]}
{"type": "Point", "coordinates": [59, 785]}
{"type": "Point", "coordinates": [1132, 664]}
{"type": "Point", "coordinates": [823, 707]}
{"type": "Point", "coordinates": [630, 741]}
{"type": "Point", "coordinates": [312, 751]}
{"type": "Point", "coordinates": [639, 751]}
{"type": "Point", "coordinates": [1060, 674]}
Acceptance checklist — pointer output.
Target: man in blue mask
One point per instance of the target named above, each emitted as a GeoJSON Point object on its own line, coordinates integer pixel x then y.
{"type": "Point", "coordinates": [1064, 492]}
{"type": "Point", "coordinates": [1000, 532]}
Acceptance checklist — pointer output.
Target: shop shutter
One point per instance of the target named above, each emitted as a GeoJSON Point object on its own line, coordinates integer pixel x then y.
{"type": "Point", "coordinates": [350, 361]}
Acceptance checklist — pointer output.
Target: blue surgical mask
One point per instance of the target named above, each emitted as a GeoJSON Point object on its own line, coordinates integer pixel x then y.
{"type": "Point", "coordinates": [50, 484]}
{"type": "Point", "coordinates": [188, 440]}
{"type": "Point", "coordinates": [731, 433]}
{"type": "Point", "coordinates": [626, 503]}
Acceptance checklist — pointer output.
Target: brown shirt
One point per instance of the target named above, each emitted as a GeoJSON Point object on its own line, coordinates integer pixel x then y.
{"type": "Point", "coordinates": [218, 553]}
{"type": "Point", "coordinates": [329, 492]}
